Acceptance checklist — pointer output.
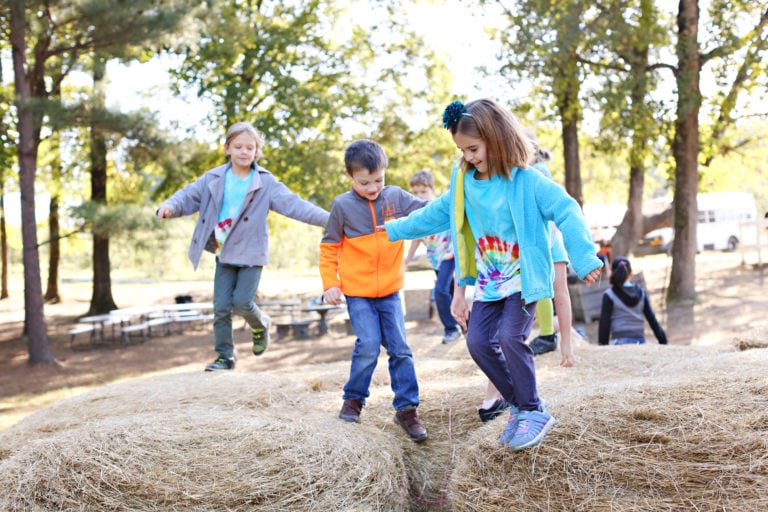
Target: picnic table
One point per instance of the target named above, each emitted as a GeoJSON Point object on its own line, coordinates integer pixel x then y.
{"type": "Point", "coordinates": [322, 310]}
{"type": "Point", "coordinates": [141, 320]}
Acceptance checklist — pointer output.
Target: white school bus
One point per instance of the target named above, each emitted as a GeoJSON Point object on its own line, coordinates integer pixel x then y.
{"type": "Point", "coordinates": [726, 220]}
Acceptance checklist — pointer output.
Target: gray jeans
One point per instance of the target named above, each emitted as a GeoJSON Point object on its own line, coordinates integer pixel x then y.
{"type": "Point", "coordinates": [234, 289]}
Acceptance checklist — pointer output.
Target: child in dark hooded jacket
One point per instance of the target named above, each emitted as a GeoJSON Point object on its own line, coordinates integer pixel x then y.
{"type": "Point", "coordinates": [624, 306]}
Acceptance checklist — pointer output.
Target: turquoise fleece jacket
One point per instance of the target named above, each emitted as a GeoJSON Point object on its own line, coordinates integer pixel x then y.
{"type": "Point", "coordinates": [533, 201]}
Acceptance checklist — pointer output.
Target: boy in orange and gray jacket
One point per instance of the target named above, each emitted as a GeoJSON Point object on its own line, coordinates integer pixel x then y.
{"type": "Point", "coordinates": [358, 261]}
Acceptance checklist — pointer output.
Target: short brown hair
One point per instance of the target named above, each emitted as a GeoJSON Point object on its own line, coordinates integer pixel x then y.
{"type": "Point", "coordinates": [423, 177]}
{"type": "Point", "coordinates": [364, 154]}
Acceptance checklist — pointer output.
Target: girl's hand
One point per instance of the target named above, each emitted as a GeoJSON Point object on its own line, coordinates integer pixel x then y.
{"type": "Point", "coordinates": [164, 212]}
{"type": "Point", "coordinates": [332, 296]}
{"type": "Point", "coordinates": [459, 308]}
{"type": "Point", "coordinates": [567, 359]}
{"type": "Point", "coordinates": [592, 277]}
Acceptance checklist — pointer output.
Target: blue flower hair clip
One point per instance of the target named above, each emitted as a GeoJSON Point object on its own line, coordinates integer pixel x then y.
{"type": "Point", "coordinates": [453, 113]}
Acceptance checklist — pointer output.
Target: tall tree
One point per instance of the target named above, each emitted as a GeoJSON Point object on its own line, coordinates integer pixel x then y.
{"type": "Point", "coordinates": [685, 149]}
{"type": "Point", "coordinates": [750, 51]}
{"type": "Point", "coordinates": [3, 243]}
{"type": "Point", "coordinates": [625, 32]}
{"type": "Point", "coordinates": [65, 31]}
{"type": "Point", "coordinates": [101, 299]}
{"type": "Point", "coordinates": [29, 124]}
{"type": "Point", "coordinates": [6, 159]}
{"type": "Point", "coordinates": [543, 41]}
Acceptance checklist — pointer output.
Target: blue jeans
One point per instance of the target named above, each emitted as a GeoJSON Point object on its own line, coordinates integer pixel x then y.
{"type": "Point", "coordinates": [505, 324]}
{"type": "Point", "coordinates": [444, 295]}
{"type": "Point", "coordinates": [380, 323]}
{"type": "Point", "coordinates": [234, 289]}
{"type": "Point", "coordinates": [628, 341]}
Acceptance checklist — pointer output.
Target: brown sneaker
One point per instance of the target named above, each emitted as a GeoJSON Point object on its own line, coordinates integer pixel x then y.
{"type": "Point", "coordinates": [350, 411]}
{"type": "Point", "coordinates": [409, 419]}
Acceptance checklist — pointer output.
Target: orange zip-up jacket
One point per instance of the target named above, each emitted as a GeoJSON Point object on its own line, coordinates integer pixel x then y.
{"type": "Point", "coordinates": [355, 255]}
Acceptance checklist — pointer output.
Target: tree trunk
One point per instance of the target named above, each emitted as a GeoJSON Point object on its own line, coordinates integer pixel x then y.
{"type": "Point", "coordinates": [29, 135]}
{"type": "Point", "coordinates": [3, 246]}
{"type": "Point", "coordinates": [685, 149]}
{"type": "Point", "coordinates": [52, 289]}
{"type": "Point", "coordinates": [570, 132]}
{"type": "Point", "coordinates": [101, 300]}
{"type": "Point", "coordinates": [631, 228]}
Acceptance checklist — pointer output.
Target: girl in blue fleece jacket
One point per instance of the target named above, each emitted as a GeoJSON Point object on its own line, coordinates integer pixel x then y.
{"type": "Point", "coordinates": [497, 210]}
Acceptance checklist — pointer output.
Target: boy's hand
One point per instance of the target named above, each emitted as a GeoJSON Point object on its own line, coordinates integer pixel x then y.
{"type": "Point", "coordinates": [164, 212]}
{"type": "Point", "coordinates": [332, 296]}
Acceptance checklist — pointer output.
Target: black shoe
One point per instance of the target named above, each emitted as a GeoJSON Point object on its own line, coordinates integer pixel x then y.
{"type": "Point", "coordinates": [497, 409]}
{"type": "Point", "coordinates": [544, 344]}
{"type": "Point", "coordinates": [221, 363]}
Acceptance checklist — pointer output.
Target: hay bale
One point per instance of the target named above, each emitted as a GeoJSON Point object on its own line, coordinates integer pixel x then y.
{"type": "Point", "coordinates": [214, 450]}
{"type": "Point", "coordinates": [672, 440]}
{"type": "Point", "coordinates": [640, 428]}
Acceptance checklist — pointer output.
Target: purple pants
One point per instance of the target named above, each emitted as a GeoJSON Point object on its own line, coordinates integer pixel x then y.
{"type": "Point", "coordinates": [496, 337]}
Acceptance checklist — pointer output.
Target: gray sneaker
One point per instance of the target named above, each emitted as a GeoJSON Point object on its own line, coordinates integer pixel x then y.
{"type": "Point", "coordinates": [452, 336]}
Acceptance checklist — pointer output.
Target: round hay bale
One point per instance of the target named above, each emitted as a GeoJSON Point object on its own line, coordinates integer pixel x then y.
{"type": "Point", "coordinates": [686, 440]}
{"type": "Point", "coordinates": [229, 444]}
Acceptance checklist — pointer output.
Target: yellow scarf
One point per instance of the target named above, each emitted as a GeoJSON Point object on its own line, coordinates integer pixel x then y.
{"type": "Point", "coordinates": [465, 240]}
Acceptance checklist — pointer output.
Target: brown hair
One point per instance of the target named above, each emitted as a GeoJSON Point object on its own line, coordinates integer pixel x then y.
{"type": "Point", "coordinates": [539, 154]}
{"type": "Point", "coordinates": [423, 177]}
{"type": "Point", "coordinates": [243, 127]}
{"type": "Point", "coordinates": [364, 154]}
{"type": "Point", "coordinates": [506, 143]}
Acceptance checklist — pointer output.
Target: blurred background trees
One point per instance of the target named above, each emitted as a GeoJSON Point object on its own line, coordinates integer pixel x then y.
{"type": "Point", "coordinates": [633, 100]}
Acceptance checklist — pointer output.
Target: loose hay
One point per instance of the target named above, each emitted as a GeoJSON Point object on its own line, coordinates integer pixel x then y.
{"type": "Point", "coordinates": [218, 454]}
{"type": "Point", "coordinates": [651, 428]}
{"type": "Point", "coordinates": [675, 441]}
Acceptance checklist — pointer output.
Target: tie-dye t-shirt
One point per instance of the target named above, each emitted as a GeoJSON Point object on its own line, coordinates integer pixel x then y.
{"type": "Point", "coordinates": [235, 189]}
{"type": "Point", "coordinates": [497, 252]}
{"type": "Point", "coordinates": [439, 248]}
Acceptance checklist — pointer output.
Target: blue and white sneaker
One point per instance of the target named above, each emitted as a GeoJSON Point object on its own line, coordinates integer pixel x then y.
{"type": "Point", "coordinates": [532, 426]}
{"type": "Point", "coordinates": [511, 428]}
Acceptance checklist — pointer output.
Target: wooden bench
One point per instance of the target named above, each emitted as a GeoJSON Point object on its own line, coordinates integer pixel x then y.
{"type": "Point", "coordinates": [299, 327]}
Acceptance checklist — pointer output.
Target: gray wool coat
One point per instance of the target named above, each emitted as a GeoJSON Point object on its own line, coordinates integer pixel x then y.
{"type": "Point", "coordinates": [248, 241]}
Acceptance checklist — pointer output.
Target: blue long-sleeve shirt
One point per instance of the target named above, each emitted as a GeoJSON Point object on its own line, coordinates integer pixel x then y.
{"type": "Point", "coordinates": [533, 200]}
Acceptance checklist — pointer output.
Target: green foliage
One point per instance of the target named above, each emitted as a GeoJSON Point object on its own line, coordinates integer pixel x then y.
{"type": "Point", "coordinates": [307, 75]}
{"type": "Point", "coordinates": [293, 244]}
{"type": "Point", "coordinates": [115, 220]}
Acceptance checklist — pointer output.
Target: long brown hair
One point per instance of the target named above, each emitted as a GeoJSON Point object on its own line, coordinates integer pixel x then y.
{"type": "Point", "coordinates": [506, 142]}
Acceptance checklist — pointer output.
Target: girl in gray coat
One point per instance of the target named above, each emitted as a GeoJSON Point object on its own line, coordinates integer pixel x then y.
{"type": "Point", "coordinates": [234, 200]}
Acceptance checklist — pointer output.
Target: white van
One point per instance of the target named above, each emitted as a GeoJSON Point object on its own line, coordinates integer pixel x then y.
{"type": "Point", "coordinates": [726, 219]}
